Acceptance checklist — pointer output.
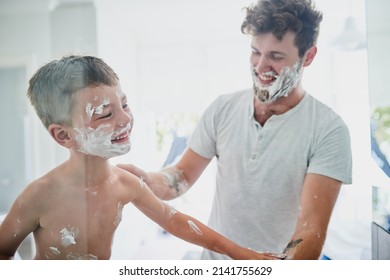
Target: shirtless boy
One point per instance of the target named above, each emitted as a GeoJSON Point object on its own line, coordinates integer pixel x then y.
{"type": "Point", "coordinates": [74, 210]}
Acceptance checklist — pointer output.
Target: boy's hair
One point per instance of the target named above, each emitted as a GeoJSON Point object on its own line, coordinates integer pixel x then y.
{"type": "Point", "coordinates": [280, 16]}
{"type": "Point", "coordinates": [53, 86]}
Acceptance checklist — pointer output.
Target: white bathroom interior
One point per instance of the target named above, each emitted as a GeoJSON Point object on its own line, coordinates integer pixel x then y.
{"type": "Point", "coordinates": [173, 58]}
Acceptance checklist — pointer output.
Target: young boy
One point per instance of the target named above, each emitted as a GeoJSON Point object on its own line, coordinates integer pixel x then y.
{"type": "Point", "coordinates": [74, 210]}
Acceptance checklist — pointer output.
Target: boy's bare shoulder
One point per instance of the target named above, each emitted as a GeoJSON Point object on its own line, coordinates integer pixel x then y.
{"type": "Point", "coordinates": [126, 177]}
{"type": "Point", "coordinates": [130, 184]}
{"type": "Point", "coordinates": [44, 186]}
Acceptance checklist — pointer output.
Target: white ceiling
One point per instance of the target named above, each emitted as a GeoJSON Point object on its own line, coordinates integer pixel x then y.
{"type": "Point", "coordinates": [152, 22]}
{"type": "Point", "coordinates": [175, 21]}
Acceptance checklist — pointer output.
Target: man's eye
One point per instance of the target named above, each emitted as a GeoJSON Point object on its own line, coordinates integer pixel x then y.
{"type": "Point", "coordinates": [277, 57]}
{"type": "Point", "coordinates": [125, 106]}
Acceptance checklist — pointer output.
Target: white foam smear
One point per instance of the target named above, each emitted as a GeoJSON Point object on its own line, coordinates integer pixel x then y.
{"type": "Point", "coordinates": [118, 217]}
{"type": "Point", "coordinates": [174, 179]}
{"type": "Point", "coordinates": [172, 211]}
{"type": "Point", "coordinates": [98, 109]}
{"type": "Point", "coordinates": [194, 227]}
{"type": "Point", "coordinates": [55, 250]}
{"type": "Point", "coordinates": [68, 237]}
{"type": "Point", "coordinates": [142, 183]}
{"type": "Point", "coordinates": [97, 142]}
{"type": "Point", "coordinates": [80, 256]}
{"type": "Point", "coordinates": [282, 86]}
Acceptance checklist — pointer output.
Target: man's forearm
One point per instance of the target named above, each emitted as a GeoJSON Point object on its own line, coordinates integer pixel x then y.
{"type": "Point", "coordinates": [167, 184]}
{"type": "Point", "coordinates": [305, 248]}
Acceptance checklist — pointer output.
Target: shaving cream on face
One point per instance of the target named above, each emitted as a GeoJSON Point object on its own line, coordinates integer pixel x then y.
{"type": "Point", "coordinates": [281, 87]}
{"type": "Point", "coordinates": [98, 142]}
{"type": "Point", "coordinates": [90, 110]}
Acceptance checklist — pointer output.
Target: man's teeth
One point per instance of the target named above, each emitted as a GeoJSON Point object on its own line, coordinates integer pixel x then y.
{"type": "Point", "coordinates": [268, 76]}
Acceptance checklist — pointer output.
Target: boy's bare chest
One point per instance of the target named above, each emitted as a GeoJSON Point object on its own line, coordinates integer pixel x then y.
{"type": "Point", "coordinates": [79, 226]}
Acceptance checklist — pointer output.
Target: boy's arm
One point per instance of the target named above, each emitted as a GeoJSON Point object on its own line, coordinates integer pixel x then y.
{"type": "Point", "coordinates": [190, 229]}
{"type": "Point", "coordinates": [172, 181]}
{"type": "Point", "coordinates": [17, 225]}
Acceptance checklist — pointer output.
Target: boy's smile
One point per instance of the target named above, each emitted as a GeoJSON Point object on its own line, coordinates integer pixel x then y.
{"type": "Point", "coordinates": [124, 137]}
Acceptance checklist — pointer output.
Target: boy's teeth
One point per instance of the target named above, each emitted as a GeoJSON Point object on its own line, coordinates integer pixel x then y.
{"type": "Point", "coordinates": [120, 137]}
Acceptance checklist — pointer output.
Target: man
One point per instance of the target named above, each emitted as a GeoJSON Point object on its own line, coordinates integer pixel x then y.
{"type": "Point", "coordinates": [282, 155]}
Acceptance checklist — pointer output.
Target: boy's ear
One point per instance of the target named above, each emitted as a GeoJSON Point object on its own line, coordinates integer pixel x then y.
{"type": "Point", "coordinates": [61, 135]}
{"type": "Point", "coordinates": [311, 53]}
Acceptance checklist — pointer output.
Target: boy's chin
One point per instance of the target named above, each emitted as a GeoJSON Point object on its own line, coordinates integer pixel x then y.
{"type": "Point", "coordinates": [113, 151]}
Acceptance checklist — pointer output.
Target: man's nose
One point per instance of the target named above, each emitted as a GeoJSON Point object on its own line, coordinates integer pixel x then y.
{"type": "Point", "coordinates": [261, 64]}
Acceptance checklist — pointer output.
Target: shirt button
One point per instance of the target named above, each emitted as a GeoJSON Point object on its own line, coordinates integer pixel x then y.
{"type": "Point", "coordinates": [260, 137]}
{"type": "Point", "coordinates": [253, 156]}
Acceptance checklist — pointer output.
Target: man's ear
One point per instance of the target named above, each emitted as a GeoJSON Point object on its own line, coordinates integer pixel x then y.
{"type": "Point", "coordinates": [61, 135]}
{"type": "Point", "coordinates": [310, 54]}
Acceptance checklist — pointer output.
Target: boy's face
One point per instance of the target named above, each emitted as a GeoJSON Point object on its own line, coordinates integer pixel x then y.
{"type": "Point", "coordinates": [102, 121]}
{"type": "Point", "coordinates": [276, 66]}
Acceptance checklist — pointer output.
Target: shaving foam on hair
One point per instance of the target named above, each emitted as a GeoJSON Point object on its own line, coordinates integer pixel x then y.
{"type": "Point", "coordinates": [282, 86]}
{"type": "Point", "coordinates": [98, 142]}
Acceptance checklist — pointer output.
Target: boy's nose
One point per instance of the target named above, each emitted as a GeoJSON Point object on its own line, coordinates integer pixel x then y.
{"type": "Point", "coordinates": [126, 118]}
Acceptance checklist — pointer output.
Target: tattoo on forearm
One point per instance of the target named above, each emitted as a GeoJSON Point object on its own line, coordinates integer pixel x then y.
{"type": "Point", "coordinates": [174, 179]}
{"type": "Point", "coordinates": [292, 244]}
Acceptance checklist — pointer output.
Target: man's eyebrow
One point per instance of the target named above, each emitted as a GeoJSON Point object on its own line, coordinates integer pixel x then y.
{"type": "Point", "coordinates": [278, 52]}
{"type": "Point", "coordinates": [271, 52]}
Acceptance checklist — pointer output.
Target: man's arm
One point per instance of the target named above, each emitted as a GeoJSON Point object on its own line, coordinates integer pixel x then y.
{"type": "Point", "coordinates": [318, 198]}
{"type": "Point", "coordinates": [172, 182]}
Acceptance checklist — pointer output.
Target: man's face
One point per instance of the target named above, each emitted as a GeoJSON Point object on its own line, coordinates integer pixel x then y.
{"type": "Point", "coordinates": [102, 121]}
{"type": "Point", "coordinates": [276, 66]}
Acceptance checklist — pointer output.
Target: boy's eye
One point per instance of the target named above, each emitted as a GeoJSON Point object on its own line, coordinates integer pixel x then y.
{"type": "Point", "coordinates": [105, 116]}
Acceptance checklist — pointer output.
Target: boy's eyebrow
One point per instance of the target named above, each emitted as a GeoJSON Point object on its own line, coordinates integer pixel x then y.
{"type": "Point", "coordinates": [122, 96]}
